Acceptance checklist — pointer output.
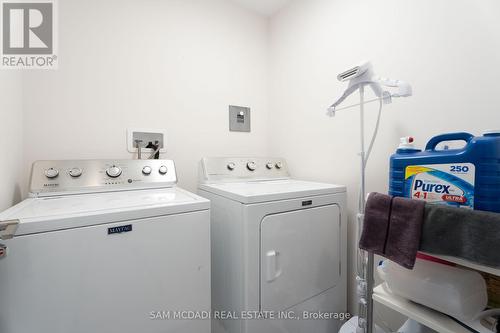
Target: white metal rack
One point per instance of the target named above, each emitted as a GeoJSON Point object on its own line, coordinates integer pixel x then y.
{"type": "Point", "coordinates": [424, 315]}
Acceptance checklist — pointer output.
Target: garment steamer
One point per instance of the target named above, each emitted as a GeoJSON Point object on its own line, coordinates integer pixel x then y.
{"type": "Point", "coordinates": [359, 77]}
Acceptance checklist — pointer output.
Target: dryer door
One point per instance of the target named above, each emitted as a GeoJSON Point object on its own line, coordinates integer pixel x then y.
{"type": "Point", "coordinates": [300, 256]}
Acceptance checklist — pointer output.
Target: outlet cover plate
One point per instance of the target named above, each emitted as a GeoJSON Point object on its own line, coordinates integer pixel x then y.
{"type": "Point", "coordinates": [146, 135]}
{"type": "Point", "coordinates": [239, 118]}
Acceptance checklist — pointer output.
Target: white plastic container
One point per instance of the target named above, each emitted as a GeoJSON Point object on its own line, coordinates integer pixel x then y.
{"type": "Point", "coordinates": [458, 292]}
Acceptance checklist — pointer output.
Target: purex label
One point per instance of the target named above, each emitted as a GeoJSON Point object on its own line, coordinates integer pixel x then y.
{"type": "Point", "coordinates": [451, 184]}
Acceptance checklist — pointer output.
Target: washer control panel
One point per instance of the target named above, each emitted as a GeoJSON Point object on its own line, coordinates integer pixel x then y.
{"type": "Point", "coordinates": [86, 176]}
{"type": "Point", "coordinates": [241, 168]}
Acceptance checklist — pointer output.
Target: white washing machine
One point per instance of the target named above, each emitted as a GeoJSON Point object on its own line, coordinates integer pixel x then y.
{"type": "Point", "coordinates": [278, 248]}
{"type": "Point", "coordinates": [104, 247]}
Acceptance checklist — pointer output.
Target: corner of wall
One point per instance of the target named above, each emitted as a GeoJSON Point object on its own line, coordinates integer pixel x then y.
{"type": "Point", "coordinates": [11, 136]}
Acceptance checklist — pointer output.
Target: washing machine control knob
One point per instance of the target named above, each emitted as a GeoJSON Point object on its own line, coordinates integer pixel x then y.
{"type": "Point", "coordinates": [163, 170]}
{"type": "Point", "coordinates": [231, 166]}
{"type": "Point", "coordinates": [51, 173]}
{"type": "Point", "coordinates": [75, 172]}
{"type": "Point", "coordinates": [114, 171]}
{"type": "Point", "coordinates": [147, 170]}
{"type": "Point", "coordinates": [279, 165]}
{"type": "Point", "coordinates": [269, 165]}
{"type": "Point", "coordinates": [251, 166]}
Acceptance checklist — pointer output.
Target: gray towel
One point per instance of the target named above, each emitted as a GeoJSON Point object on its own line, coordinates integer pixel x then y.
{"type": "Point", "coordinates": [376, 223]}
{"type": "Point", "coordinates": [405, 228]}
{"type": "Point", "coordinates": [392, 228]}
{"type": "Point", "coordinates": [470, 234]}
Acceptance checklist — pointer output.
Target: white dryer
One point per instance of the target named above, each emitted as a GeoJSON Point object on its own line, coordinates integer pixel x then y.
{"type": "Point", "coordinates": [104, 247]}
{"type": "Point", "coordinates": [278, 248]}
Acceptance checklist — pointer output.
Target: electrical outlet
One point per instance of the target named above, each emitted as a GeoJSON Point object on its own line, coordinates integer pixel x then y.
{"type": "Point", "coordinates": [146, 136]}
{"type": "Point", "coordinates": [239, 118]}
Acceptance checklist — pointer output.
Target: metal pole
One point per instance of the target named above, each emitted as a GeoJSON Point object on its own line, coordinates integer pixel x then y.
{"type": "Point", "coordinates": [367, 266]}
{"type": "Point", "coordinates": [370, 262]}
{"type": "Point", "coordinates": [370, 284]}
{"type": "Point", "coordinates": [362, 153]}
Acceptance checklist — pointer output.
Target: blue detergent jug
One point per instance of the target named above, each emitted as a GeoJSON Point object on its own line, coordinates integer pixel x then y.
{"type": "Point", "coordinates": [466, 177]}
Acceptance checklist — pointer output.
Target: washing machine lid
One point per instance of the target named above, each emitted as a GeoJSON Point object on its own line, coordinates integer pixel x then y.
{"type": "Point", "coordinates": [270, 190]}
{"type": "Point", "coordinates": [35, 215]}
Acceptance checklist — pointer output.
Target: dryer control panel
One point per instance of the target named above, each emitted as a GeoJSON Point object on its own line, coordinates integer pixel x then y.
{"type": "Point", "coordinates": [217, 169]}
{"type": "Point", "coordinates": [49, 178]}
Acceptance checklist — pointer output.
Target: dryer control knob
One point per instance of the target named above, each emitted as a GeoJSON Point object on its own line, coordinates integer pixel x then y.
{"type": "Point", "coordinates": [114, 171]}
{"type": "Point", "coordinates": [251, 166]}
{"type": "Point", "coordinates": [51, 173]}
{"type": "Point", "coordinates": [75, 172]}
{"type": "Point", "coordinates": [269, 165]}
{"type": "Point", "coordinates": [147, 170]}
{"type": "Point", "coordinates": [163, 170]}
{"type": "Point", "coordinates": [231, 166]}
{"type": "Point", "coordinates": [279, 165]}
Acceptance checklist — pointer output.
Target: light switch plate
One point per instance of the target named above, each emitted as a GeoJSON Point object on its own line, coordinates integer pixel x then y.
{"type": "Point", "coordinates": [239, 118]}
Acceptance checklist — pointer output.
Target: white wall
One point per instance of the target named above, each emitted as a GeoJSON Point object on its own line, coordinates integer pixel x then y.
{"type": "Point", "coordinates": [11, 137]}
{"type": "Point", "coordinates": [174, 64]}
{"type": "Point", "coordinates": [177, 64]}
{"type": "Point", "coordinates": [448, 51]}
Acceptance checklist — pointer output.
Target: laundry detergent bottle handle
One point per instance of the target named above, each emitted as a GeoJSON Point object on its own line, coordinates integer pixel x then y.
{"type": "Point", "coordinates": [459, 136]}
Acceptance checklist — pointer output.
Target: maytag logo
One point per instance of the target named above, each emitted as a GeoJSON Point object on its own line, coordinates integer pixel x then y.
{"type": "Point", "coordinates": [120, 229]}
{"type": "Point", "coordinates": [29, 39]}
